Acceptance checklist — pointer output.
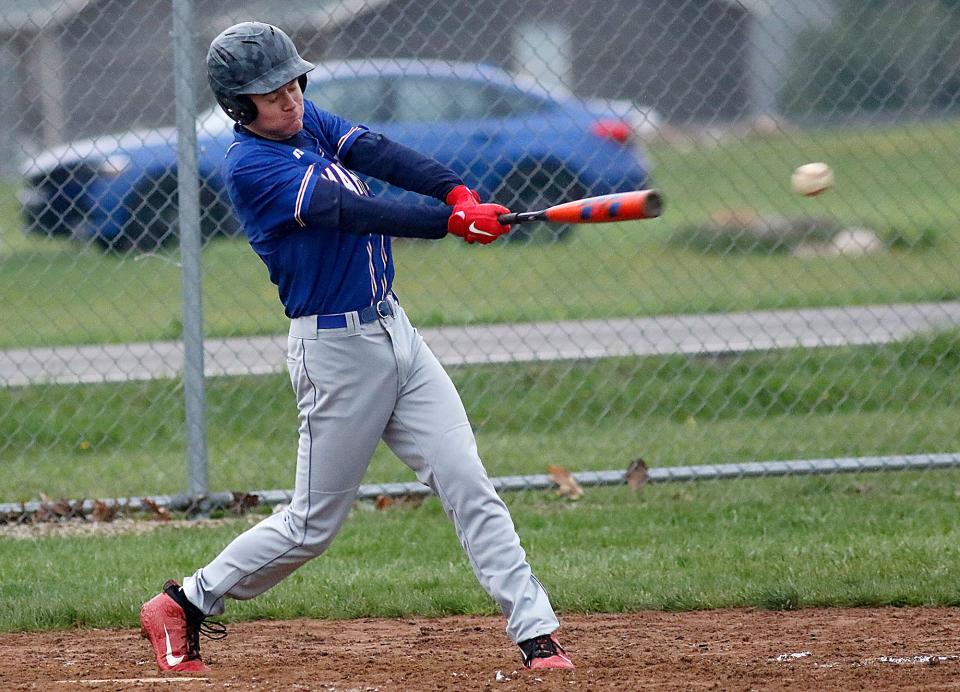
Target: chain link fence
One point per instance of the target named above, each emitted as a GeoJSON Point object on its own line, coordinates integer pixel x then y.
{"type": "Point", "coordinates": [749, 331]}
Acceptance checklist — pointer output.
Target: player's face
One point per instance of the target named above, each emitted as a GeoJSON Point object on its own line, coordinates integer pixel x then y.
{"type": "Point", "coordinates": [279, 113]}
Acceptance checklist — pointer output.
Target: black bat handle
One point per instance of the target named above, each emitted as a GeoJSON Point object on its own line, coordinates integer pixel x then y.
{"type": "Point", "coordinates": [519, 217]}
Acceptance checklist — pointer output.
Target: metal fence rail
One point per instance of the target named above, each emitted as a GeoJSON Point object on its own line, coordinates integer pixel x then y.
{"type": "Point", "coordinates": [191, 503]}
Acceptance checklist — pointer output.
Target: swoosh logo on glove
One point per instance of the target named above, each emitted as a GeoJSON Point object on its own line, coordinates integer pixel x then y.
{"type": "Point", "coordinates": [461, 214]}
{"type": "Point", "coordinates": [171, 659]}
{"type": "Point", "coordinates": [474, 229]}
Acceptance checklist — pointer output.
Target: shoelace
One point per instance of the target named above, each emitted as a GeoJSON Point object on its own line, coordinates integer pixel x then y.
{"type": "Point", "coordinates": [213, 630]}
{"type": "Point", "coordinates": [210, 630]}
{"type": "Point", "coordinates": [542, 647]}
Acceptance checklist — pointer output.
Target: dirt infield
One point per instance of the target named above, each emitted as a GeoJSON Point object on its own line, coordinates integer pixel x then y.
{"type": "Point", "coordinates": [872, 649]}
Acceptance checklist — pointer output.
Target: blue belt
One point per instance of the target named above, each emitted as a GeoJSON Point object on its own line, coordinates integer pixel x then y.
{"type": "Point", "coordinates": [371, 313]}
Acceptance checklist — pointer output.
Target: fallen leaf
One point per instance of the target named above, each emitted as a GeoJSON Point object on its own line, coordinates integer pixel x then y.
{"type": "Point", "coordinates": [567, 485]}
{"type": "Point", "coordinates": [243, 501]}
{"type": "Point", "coordinates": [56, 510]}
{"type": "Point", "coordinates": [161, 513]}
{"type": "Point", "coordinates": [76, 510]}
{"type": "Point", "coordinates": [411, 500]}
{"type": "Point", "coordinates": [637, 475]}
{"type": "Point", "coordinates": [104, 512]}
{"type": "Point", "coordinates": [43, 514]}
{"type": "Point", "coordinates": [382, 502]}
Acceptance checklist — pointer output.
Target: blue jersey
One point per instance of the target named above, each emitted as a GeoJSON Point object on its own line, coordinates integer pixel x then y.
{"type": "Point", "coordinates": [318, 269]}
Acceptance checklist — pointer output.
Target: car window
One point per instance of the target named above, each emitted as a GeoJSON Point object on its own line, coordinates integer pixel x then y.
{"type": "Point", "coordinates": [427, 100]}
{"type": "Point", "coordinates": [509, 102]}
{"type": "Point", "coordinates": [359, 100]}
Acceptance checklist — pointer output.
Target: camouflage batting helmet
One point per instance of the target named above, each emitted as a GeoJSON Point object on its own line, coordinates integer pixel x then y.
{"type": "Point", "coordinates": [252, 58]}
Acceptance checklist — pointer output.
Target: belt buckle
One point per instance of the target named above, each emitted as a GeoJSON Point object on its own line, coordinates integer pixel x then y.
{"type": "Point", "coordinates": [389, 309]}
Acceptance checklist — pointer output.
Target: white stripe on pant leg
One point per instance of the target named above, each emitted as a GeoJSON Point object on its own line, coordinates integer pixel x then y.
{"type": "Point", "coordinates": [264, 555]}
{"type": "Point", "coordinates": [521, 597]}
{"type": "Point", "coordinates": [430, 432]}
{"type": "Point", "coordinates": [331, 459]}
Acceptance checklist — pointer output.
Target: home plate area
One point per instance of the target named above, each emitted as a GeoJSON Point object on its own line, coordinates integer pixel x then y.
{"type": "Point", "coordinates": [843, 648]}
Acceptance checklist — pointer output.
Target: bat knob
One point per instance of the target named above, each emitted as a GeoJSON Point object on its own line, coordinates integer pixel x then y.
{"type": "Point", "coordinates": [654, 204]}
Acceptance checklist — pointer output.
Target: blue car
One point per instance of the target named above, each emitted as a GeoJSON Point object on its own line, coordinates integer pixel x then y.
{"type": "Point", "coordinates": [514, 142]}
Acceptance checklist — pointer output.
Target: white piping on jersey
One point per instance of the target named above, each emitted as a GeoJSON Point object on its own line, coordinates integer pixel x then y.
{"type": "Point", "coordinates": [345, 178]}
{"type": "Point", "coordinates": [373, 274]}
{"type": "Point", "coordinates": [343, 139]}
{"type": "Point", "coordinates": [383, 258]}
{"type": "Point", "coordinates": [336, 173]}
{"type": "Point", "coordinates": [232, 145]}
{"type": "Point", "coordinates": [300, 194]}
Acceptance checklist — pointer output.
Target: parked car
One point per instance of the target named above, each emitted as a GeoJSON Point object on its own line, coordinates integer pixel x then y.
{"type": "Point", "coordinates": [510, 139]}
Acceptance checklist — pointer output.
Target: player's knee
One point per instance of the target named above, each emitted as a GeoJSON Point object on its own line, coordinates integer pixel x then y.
{"type": "Point", "coordinates": [457, 451]}
{"type": "Point", "coordinates": [315, 527]}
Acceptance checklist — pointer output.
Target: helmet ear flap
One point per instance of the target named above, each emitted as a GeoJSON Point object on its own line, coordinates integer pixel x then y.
{"type": "Point", "coordinates": [238, 107]}
{"type": "Point", "coordinates": [247, 111]}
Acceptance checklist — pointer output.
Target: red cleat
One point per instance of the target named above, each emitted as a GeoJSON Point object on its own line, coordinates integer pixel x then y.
{"type": "Point", "coordinates": [172, 625]}
{"type": "Point", "coordinates": [545, 652]}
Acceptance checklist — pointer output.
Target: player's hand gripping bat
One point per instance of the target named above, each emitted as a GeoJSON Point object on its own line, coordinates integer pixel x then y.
{"type": "Point", "coordinates": [621, 206]}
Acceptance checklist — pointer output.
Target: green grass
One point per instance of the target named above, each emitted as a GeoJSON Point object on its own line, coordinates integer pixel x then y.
{"type": "Point", "coordinates": [870, 539]}
{"type": "Point", "coordinates": [886, 177]}
{"type": "Point", "coordinates": [866, 539]}
{"type": "Point", "coordinates": [902, 181]}
{"type": "Point", "coordinates": [127, 439]}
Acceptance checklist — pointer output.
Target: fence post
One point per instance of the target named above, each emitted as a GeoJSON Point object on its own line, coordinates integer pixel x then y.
{"type": "Point", "coordinates": [190, 247]}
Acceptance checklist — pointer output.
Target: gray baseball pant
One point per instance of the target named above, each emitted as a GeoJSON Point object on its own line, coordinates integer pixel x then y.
{"type": "Point", "coordinates": [355, 386]}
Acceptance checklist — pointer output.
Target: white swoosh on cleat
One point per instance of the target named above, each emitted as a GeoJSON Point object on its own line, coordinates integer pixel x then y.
{"type": "Point", "coordinates": [171, 659]}
{"type": "Point", "coordinates": [474, 229]}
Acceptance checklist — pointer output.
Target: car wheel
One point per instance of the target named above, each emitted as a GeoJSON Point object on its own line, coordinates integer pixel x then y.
{"type": "Point", "coordinates": [533, 188]}
{"type": "Point", "coordinates": [155, 219]}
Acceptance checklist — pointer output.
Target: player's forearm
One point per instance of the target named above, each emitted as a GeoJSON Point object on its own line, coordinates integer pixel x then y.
{"type": "Point", "coordinates": [331, 206]}
{"type": "Point", "coordinates": [375, 155]}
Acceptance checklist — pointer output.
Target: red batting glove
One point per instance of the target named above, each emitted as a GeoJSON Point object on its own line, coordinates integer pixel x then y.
{"type": "Point", "coordinates": [477, 223]}
{"type": "Point", "coordinates": [462, 194]}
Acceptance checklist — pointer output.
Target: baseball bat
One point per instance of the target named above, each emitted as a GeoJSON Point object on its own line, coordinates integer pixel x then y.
{"type": "Point", "coordinates": [621, 206]}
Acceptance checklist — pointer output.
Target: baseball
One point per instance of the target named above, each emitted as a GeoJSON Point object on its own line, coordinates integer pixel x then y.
{"type": "Point", "coordinates": [812, 178]}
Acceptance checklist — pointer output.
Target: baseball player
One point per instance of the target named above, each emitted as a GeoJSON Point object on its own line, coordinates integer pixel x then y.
{"type": "Point", "coordinates": [360, 371]}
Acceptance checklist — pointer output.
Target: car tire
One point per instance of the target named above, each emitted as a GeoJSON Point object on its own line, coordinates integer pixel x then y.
{"type": "Point", "coordinates": [154, 220]}
{"type": "Point", "coordinates": [536, 187]}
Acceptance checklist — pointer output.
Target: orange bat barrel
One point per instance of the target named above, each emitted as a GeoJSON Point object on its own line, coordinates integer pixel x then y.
{"type": "Point", "coordinates": [621, 206]}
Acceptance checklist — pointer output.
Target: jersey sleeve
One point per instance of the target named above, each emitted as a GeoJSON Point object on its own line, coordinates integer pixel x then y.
{"type": "Point", "coordinates": [334, 206]}
{"type": "Point", "coordinates": [340, 133]}
{"type": "Point", "coordinates": [377, 156]}
{"type": "Point", "coordinates": [270, 192]}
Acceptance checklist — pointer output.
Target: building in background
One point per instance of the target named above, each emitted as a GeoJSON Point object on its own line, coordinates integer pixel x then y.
{"type": "Point", "coordinates": [78, 68]}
